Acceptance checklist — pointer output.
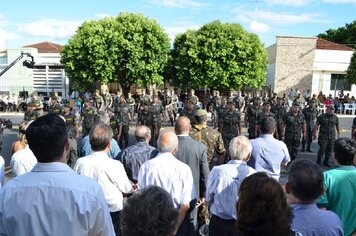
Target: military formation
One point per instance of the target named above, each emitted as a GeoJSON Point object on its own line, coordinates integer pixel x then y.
{"type": "Point", "coordinates": [297, 122]}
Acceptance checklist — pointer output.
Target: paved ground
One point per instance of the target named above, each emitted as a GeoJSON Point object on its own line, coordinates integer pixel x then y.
{"type": "Point", "coordinates": [10, 136]}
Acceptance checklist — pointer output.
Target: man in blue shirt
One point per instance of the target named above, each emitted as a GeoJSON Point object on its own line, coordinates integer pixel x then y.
{"type": "Point", "coordinates": [268, 153]}
{"type": "Point", "coordinates": [305, 185]}
{"type": "Point", "coordinates": [52, 199]}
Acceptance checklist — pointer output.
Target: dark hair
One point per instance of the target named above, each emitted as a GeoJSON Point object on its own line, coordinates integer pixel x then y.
{"type": "Point", "coordinates": [100, 136]}
{"type": "Point", "coordinates": [46, 137]}
{"type": "Point", "coordinates": [306, 180]}
{"type": "Point", "coordinates": [267, 125]}
{"type": "Point", "coordinates": [149, 212]}
{"type": "Point", "coordinates": [345, 150]}
{"type": "Point", "coordinates": [200, 119]}
{"type": "Point", "coordinates": [262, 207]}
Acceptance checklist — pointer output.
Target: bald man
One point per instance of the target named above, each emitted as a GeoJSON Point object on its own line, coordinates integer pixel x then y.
{"type": "Point", "coordinates": [134, 156]}
{"type": "Point", "coordinates": [194, 154]}
{"type": "Point", "coordinates": [170, 174]}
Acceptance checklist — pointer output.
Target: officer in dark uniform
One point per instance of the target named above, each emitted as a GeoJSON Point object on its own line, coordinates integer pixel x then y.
{"type": "Point", "coordinates": [88, 117]}
{"type": "Point", "coordinates": [72, 123]}
{"type": "Point", "coordinates": [230, 125]}
{"type": "Point", "coordinates": [279, 110]}
{"type": "Point", "coordinates": [294, 127]}
{"type": "Point", "coordinates": [266, 112]}
{"type": "Point", "coordinates": [327, 122]}
{"type": "Point", "coordinates": [252, 116]}
{"type": "Point", "coordinates": [122, 113]}
{"type": "Point", "coordinates": [310, 114]}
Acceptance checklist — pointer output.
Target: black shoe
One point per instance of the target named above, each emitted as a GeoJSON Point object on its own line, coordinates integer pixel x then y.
{"type": "Point", "coordinates": [326, 164]}
{"type": "Point", "coordinates": [309, 150]}
{"type": "Point", "coordinates": [303, 149]}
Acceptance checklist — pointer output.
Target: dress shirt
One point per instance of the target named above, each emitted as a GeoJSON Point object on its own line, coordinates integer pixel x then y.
{"type": "Point", "coordinates": [311, 221]}
{"type": "Point", "coordinates": [53, 200]}
{"type": "Point", "coordinates": [268, 154]}
{"type": "Point", "coordinates": [109, 173]}
{"type": "Point", "coordinates": [2, 171]}
{"type": "Point", "coordinates": [134, 156]}
{"type": "Point", "coordinates": [85, 148]}
{"type": "Point", "coordinates": [223, 184]}
{"type": "Point", "coordinates": [170, 174]}
{"type": "Point", "coordinates": [22, 161]}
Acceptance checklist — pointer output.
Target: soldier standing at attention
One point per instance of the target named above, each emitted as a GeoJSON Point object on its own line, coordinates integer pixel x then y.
{"type": "Point", "coordinates": [220, 110]}
{"type": "Point", "coordinates": [189, 111]}
{"type": "Point", "coordinates": [327, 122]}
{"type": "Point", "coordinates": [55, 107]}
{"type": "Point", "coordinates": [266, 112]}
{"type": "Point", "coordinates": [122, 113]}
{"type": "Point", "coordinates": [88, 117]}
{"type": "Point", "coordinates": [98, 100]}
{"type": "Point", "coordinates": [144, 116]}
{"type": "Point", "coordinates": [230, 125]}
{"type": "Point", "coordinates": [175, 101]}
{"type": "Point", "coordinates": [192, 96]}
{"type": "Point", "coordinates": [294, 127]}
{"type": "Point", "coordinates": [114, 124]}
{"type": "Point", "coordinates": [168, 107]}
{"type": "Point", "coordinates": [155, 111]}
{"type": "Point", "coordinates": [279, 110]}
{"type": "Point", "coordinates": [108, 100]}
{"type": "Point", "coordinates": [251, 117]}
{"type": "Point", "coordinates": [131, 102]}
{"type": "Point", "coordinates": [72, 124]}
{"type": "Point", "coordinates": [310, 114]}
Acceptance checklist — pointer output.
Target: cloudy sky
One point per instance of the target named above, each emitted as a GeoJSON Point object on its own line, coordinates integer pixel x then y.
{"type": "Point", "coordinates": [27, 22]}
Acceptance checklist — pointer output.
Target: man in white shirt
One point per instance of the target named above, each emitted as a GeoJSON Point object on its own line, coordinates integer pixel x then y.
{"type": "Point", "coordinates": [223, 185]}
{"type": "Point", "coordinates": [52, 199]}
{"type": "Point", "coordinates": [109, 173]}
{"type": "Point", "coordinates": [22, 161]}
{"type": "Point", "coordinates": [170, 174]}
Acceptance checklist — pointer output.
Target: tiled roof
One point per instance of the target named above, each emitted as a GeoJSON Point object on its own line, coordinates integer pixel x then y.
{"type": "Point", "coordinates": [46, 47]}
{"type": "Point", "coordinates": [327, 45]}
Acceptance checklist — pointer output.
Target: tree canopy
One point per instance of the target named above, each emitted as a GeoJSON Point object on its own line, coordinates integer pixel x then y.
{"type": "Point", "coordinates": [219, 56]}
{"type": "Point", "coordinates": [343, 35]}
{"type": "Point", "coordinates": [128, 49]}
{"type": "Point", "coordinates": [351, 71]}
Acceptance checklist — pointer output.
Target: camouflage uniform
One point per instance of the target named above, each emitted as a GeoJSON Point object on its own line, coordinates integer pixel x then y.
{"type": "Point", "coordinates": [252, 115]}
{"type": "Point", "coordinates": [293, 131]}
{"type": "Point", "coordinates": [279, 112]}
{"type": "Point", "coordinates": [72, 121]}
{"type": "Point", "coordinates": [131, 102]}
{"type": "Point", "coordinates": [55, 109]}
{"type": "Point", "coordinates": [115, 126]}
{"type": "Point", "coordinates": [88, 114]}
{"type": "Point", "coordinates": [300, 101]}
{"type": "Point", "coordinates": [168, 107]}
{"type": "Point", "coordinates": [98, 102]}
{"type": "Point", "coordinates": [231, 125]}
{"type": "Point", "coordinates": [144, 118]}
{"type": "Point", "coordinates": [30, 115]}
{"type": "Point", "coordinates": [108, 100]}
{"type": "Point", "coordinates": [216, 102]}
{"type": "Point", "coordinates": [189, 114]}
{"type": "Point", "coordinates": [220, 111]}
{"type": "Point", "coordinates": [122, 113]}
{"type": "Point", "coordinates": [310, 115]}
{"type": "Point", "coordinates": [156, 124]}
{"type": "Point", "coordinates": [175, 100]}
{"type": "Point", "coordinates": [36, 104]}
{"type": "Point", "coordinates": [328, 123]}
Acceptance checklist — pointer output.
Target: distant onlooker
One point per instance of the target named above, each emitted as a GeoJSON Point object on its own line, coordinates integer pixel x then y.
{"type": "Point", "coordinates": [262, 207]}
{"type": "Point", "coordinates": [223, 184]}
{"type": "Point", "coordinates": [340, 185]}
{"type": "Point", "coordinates": [52, 199]}
{"type": "Point", "coordinates": [268, 153]}
{"type": "Point", "coordinates": [305, 185]}
{"type": "Point", "coordinates": [149, 212]}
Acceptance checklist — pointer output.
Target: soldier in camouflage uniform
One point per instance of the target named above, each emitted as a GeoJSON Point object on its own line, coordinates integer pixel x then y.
{"type": "Point", "coordinates": [122, 113]}
{"type": "Point", "coordinates": [193, 97]}
{"type": "Point", "coordinates": [88, 117]}
{"type": "Point", "coordinates": [327, 122]}
{"type": "Point", "coordinates": [175, 101]}
{"type": "Point", "coordinates": [144, 116]}
{"type": "Point", "coordinates": [230, 125]}
{"type": "Point", "coordinates": [108, 100]}
{"type": "Point", "coordinates": [131, 102]}
{"type": "Point", "coordinates": [168, 107]}
{"type": "Point", "coordinates": [266, 112]}
{"type": "Point", "coordinates": [155, 111]}
{"type": "Point", "coordinates": [294, 127]}
{"type": "Point", "coordinates": [310, 113]}
{"type": "Point", "coordinates": [145, 98]}
{"type": "Point", "coordinates": [34, 107]}
{"type": "Point", "coordinates": [114, 124]}
{"type": "Point", "coordinates": [72, 123]}
{"type": "Point", "coordinates": [55, 107]}
{"type": "Point", "coordinates": [300, 100]}
{"type": "Point", "coordinates": [273, 100]}
{"type": "Point", "coordinates": [30, 114]}
{"type": "Point", "coordinates": [279, 110]}
{"type": "Point", "coordinates": [98, 100]}
{"type": "Point", "coordinates": [189, 111]}
{"type": "Point", "coordinates": [220, 110]}
{"type": "Point", "coordinates": [251, 117]}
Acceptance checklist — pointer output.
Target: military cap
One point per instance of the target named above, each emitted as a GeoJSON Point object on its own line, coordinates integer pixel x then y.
{"type": "Point", "coordinates": [201, 112]}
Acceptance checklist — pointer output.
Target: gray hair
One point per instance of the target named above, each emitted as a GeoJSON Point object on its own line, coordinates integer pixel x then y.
{"type": "Point", "coordinates": [240, 148]}
{"type": "Point", "coordinates": [167, 141]}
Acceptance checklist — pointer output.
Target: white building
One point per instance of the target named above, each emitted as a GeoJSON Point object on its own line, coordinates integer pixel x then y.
{"type": "Point", "coordinates": [308, 63]}
{"type": "Point", "coordinates": [46, 77]}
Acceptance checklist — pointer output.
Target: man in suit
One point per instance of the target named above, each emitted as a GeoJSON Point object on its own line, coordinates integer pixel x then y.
{"type": "Point", "coordinates": [192, 153]}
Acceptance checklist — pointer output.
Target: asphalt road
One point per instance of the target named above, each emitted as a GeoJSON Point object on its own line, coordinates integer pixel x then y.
{"type": "Point", "coordinates": [9, 136]}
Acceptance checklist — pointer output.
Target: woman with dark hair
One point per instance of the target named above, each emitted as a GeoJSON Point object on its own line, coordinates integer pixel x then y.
{"type": "Point", "coordinates": [262, 207]}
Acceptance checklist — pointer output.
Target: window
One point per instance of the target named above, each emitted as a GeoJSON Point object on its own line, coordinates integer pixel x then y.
{"type": "Point", "coordinates": [338, 82]}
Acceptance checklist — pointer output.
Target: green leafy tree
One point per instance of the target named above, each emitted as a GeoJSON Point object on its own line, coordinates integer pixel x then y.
{"type": "Point", "coordinates": [128, 49]}
{"type": "Point", "coordinates": [351, 71]}
{"type": "Point", "coordinates": [343, 35]}
{"type": "Point", "coordinates": [219, 56]}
